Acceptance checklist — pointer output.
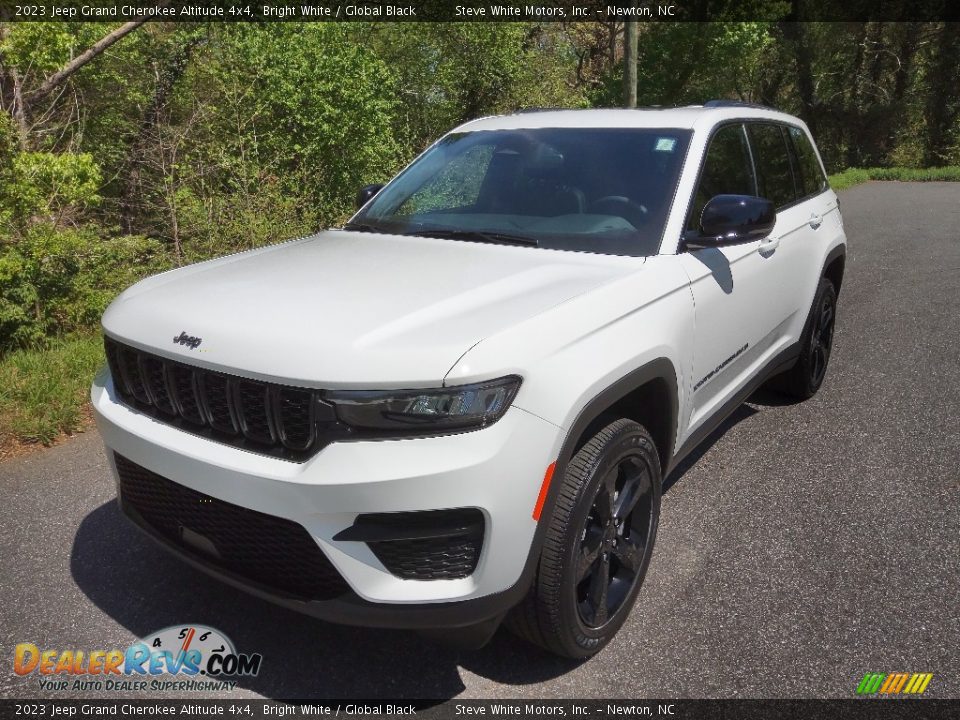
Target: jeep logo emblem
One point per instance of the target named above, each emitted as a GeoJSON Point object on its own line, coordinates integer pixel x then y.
{"type": "Point", "coordinates": [189, 340]}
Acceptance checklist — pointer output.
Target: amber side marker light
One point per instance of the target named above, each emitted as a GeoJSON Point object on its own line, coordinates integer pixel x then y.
{"type": "Point", "coordinates": [544, 488]}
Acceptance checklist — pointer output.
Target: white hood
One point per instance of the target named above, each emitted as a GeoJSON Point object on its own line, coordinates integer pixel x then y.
{"type": "Point", "coordinates": [345, 309]}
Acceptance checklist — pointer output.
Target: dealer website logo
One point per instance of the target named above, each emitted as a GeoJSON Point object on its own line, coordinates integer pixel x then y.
{"type": "Point", "coordinates": [894, 683]}
{"type": "Point", "coordinates": [191, 657]}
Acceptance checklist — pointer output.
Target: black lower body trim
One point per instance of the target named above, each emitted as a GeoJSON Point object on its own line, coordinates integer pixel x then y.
{"type": "Point", "coordinates": [422, 545]}
{"type": "Point", "coordinates": [262, 549]}
{"type": "Point", "coordinates": [782, 361]}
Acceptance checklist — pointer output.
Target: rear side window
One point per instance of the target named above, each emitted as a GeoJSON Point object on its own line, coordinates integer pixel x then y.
{"type": "Point", "coordinates": [726, 171]}
{"type": "Point", "coordinates": [772, 157]}
{"type": "Point", "coordinates": [812, 179]}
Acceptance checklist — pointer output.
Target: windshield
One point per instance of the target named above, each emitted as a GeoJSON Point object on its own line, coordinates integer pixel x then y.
{"type": "Point", "coordinates": [602, 190]}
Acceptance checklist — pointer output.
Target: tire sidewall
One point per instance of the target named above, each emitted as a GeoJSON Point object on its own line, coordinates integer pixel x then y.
{"type": "Point", "coordinates": [824, 290]}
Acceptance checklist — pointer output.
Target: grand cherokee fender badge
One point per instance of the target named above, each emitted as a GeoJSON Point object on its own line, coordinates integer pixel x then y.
{"type": "Point", "coordinates": [189, 340]}
{"type": "Point", "coordinates": [710, 375]}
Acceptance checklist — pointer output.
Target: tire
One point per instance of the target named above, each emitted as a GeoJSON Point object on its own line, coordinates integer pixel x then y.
{"type": "Point", "coordinates": [570, 613]}
{"type": "Point", "coordinates": [804, 379]}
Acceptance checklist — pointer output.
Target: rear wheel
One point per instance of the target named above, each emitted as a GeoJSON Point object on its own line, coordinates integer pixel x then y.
{"type": "Point", "coordinates": [598, 544]}
{"type": "Point", "coordinates": [805, 378]}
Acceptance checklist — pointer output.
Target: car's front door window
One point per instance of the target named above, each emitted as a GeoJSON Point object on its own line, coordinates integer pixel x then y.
{"type": "Point", "coordinates": [726, 171]}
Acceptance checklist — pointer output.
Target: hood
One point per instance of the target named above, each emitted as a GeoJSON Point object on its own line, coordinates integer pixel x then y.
{"type": "Point", "coordinates": [346, 309]}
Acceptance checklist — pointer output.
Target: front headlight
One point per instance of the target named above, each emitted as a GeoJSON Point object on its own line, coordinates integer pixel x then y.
{"type": "Point", "coordinates": [426, 411]}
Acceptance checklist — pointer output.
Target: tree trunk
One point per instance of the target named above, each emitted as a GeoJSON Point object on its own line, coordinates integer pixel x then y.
{"type": "Point", "coordinates": [166, 80]}
{"type": "Point", "coordinates": [612, 44]}
{"type": "Point", "coordinates": [175, 227]}
{"type": "Point", "coordinates": [852, 114]}
{"type": "Point", "coordinates": [630, 62]}
{"type": "Point", "coordinates": [795, 33]}
{"type": "Point", "coordinates": [906, 54]}
{"type": "Point", "coordinates": [887, 119]}
{"type": "Point", "coordinates": [64, 73]}
{"type": "Point", "coordinates": [17, 109]}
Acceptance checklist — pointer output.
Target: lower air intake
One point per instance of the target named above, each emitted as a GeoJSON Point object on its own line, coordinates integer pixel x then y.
{"type": "Point", "coordinates": [426, 545]}
{"type": "Point", "coordinates": [273, 553]}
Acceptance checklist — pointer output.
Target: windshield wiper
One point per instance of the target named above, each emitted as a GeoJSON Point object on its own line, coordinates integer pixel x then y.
{"type": "Point", "coordinates": [363, 227]}
{"type": "Point", "coordinates": [496, 238]}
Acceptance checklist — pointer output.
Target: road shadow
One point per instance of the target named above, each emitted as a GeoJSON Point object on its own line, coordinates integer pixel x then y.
{"type": "Point", "coordinates": [143, 588]}
{"type": "Point", "coordinates": [763, 396]}
{"type": "Point", "coordinates": [740, 414]}
{"type": "Point", "coordinates": [771, 398]}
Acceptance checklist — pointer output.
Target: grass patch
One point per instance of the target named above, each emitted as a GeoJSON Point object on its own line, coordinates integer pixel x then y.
{"type": "Point", "coordinates": [855, 176]}
{"type": "Point", "coordinates": [43, 392]}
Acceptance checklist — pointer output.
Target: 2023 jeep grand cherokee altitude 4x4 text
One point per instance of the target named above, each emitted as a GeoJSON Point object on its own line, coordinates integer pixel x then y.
{"type": "Point", "coordinates": [460, 407]}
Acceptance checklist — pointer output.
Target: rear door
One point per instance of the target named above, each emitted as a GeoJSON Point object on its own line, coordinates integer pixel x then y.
{"type": "Point", "coordinates": [820, 208]}
{"type": "Point", "coordinates": [779, 181]}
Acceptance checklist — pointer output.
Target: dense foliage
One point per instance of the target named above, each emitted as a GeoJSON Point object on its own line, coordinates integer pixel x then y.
{"type": "Point", "coordinates": [181, 142]}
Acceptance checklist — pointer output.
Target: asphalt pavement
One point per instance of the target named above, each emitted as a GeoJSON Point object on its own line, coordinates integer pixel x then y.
{"type": "Point", "coordinates": [802, 546]}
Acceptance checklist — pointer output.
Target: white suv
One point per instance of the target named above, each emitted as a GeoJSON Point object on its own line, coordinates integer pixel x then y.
{"type": "Point", "coordinates": [461, 406]}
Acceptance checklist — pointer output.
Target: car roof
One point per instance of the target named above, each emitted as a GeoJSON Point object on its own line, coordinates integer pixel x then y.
{"type": "Point", "coordinates": [692, 117]}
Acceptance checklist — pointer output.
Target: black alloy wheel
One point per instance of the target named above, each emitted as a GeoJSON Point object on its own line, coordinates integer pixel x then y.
{"type": "Point", "coordinates": [598, 542]}
{"type": "Point", "coordinates": [821, 339]}
{"type": "Point", "coordinates": [615, 540]}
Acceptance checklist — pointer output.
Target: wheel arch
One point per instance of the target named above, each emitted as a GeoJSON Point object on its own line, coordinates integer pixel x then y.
{"type": "Point", "coordinates": [649, 395]}
{"type": "Point", "coordinates": [650, 400]}
{"type": "Point", "coordinates": [833, 266]}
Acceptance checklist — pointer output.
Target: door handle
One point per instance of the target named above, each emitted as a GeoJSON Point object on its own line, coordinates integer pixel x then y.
{"type": "Point", "coordinates": [768, 245]}
{"type": "Point", "coordinates": [815, 221]}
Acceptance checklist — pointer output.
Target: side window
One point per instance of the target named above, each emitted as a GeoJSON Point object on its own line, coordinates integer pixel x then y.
{"type": "Point", "coordinates": [727, 170]}
{"type": "Point", "coordinates": [772, 156]}
{"type": "Point", "coordinates": [811, 174]}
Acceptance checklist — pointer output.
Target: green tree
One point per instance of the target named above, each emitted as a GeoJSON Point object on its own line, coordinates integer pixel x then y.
{"type": "Point", "coordinates": [448, 73]}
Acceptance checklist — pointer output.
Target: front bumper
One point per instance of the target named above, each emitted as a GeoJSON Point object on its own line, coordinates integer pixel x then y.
{"type": "Point", "coordinates": [497, 470]}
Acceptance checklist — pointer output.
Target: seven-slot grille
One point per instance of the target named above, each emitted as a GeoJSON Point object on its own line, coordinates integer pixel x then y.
{"type": "Point", "coordinates": [273, 419]}
{"type": "Point", "coordinates": [272, 552]}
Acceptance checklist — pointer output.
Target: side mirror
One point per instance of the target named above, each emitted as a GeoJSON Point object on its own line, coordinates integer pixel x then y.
{"type": "Point", "coordinates": [734, 219]}
{"type": "Point", "coordinates": [367, 192]}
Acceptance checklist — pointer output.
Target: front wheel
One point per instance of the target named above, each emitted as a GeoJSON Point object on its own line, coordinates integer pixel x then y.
{"type": "Point", "coordinates": [598, 544]}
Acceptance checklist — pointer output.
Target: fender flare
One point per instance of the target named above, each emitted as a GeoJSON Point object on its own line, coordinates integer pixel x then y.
{"type": "Point", "coordinates": [838, 251]}
{"type": "Point", "coordinates": [659, 369]}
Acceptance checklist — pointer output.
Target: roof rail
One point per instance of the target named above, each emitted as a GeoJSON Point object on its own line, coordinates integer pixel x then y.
{"type": "Point", "coordinates": [522, 111]}
{"type": "Point", "coordinates": [735, 103]}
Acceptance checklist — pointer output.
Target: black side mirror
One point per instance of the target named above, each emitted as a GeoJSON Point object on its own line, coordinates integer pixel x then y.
{"type": "Point", "coordinates": [734, 219]}
{"type": "Point", "coordinates": [367, 192]}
